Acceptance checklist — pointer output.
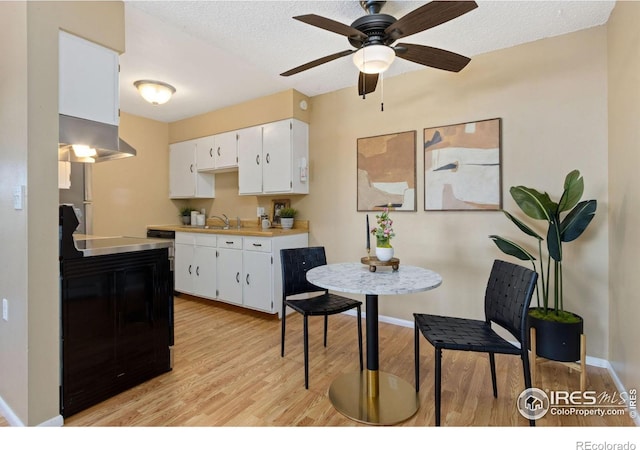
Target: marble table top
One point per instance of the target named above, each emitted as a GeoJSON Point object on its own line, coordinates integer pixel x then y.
{"type": "Point", "coordinates": [356, 278]}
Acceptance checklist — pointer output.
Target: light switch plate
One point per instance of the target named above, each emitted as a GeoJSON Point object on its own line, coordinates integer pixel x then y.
{"type": "Point", "coordinates": [18, 198]}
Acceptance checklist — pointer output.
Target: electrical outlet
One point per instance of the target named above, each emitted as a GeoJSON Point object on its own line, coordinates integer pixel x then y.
{"type": "Point", "coordinates": [5, 309]}
{"type": "Point", "coordinates": [260, 211]}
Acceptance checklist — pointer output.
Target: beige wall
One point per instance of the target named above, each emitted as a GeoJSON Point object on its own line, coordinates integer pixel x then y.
{"type": "Point", "coordinates": [282, 105]}
{"type": "Point", "coordinates": [13, 232]}
{"type": "Point", "coordinates": [552, 98]}
{"type": "Point", "coordinates": [29, 352]}
{"type": "Point", "coordinates": [131, 193]}
{"type": "Point", "coordinates": [624, 186]}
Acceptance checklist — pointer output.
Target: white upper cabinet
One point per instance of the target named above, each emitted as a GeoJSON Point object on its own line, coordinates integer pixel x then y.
{"type": "Point", "coordinates": [205, 148]}
{"type": "Point", "coordinates": [226, 150]}
{"type": "Point", "coordinates": [88, 80]}
{"type": "Point", "coordinates": [279, 162]}
{"type": "Point", "coordinates": [250, 160]}
{"type": "Point", "coordinates": [218, 152]}
{"type": "Point", "coordinates": [184, 179]}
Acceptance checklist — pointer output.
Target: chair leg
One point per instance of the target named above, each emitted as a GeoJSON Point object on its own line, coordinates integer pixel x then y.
{"type": "Point", "coordinates": [416, 353]}
{"type": "Point", "coordinates": [527, 377]}
{"type": "Point", "coordinates": [284, 319]}
{"type": "Point", "coordinates": [438, 357]}
{"type": "Point", "coordinates": [492, 362]}
{"type": "Point", "coordinates": [306, 352]}
{"type": "Point", "coordinates": [326, 327]}
{"type": "Point", "coordinates": [360, 337]}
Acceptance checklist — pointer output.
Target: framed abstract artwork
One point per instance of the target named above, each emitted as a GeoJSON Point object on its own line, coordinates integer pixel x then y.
{"type": "Point", "coordinates": [387, 172]}
{"type": "Point", "coordinates": [462, 167]}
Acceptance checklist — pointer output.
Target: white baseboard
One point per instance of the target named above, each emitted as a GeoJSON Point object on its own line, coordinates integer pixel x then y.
{"type": "Point", "coordinates": [15, 421]}
{"type": "Point", "coordinates": [8, 414]}
{"type": "Point", "coordinates": [56, 421]}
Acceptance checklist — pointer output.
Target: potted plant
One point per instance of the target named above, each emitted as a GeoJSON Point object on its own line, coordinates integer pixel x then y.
{"type": "Point", "coordinates": [383, 233]}
{"type": "Point", "coordinates": [557, 330]}
{"type": "Point", "coordinates": [287, 216]}
{"type": "Point", "coordinates": [185, 214]}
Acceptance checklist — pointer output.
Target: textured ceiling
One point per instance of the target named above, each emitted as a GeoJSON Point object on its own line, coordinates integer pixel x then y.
{"type": "Point", "coordinates": [220, 53]}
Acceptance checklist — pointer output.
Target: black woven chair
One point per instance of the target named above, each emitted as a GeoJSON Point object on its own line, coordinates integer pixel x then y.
{"type": "Point", "coordinates": [506, 302]}
{"type": "Point", "coordinates": [295, 264]}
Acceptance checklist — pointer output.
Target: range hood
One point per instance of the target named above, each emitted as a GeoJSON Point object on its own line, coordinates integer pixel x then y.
{"type": "Point", "coordinates": [100, 136]}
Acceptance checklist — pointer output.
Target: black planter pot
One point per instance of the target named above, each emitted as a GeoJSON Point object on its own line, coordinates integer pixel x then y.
{"type": "Point", "coordinates": [557, 341]}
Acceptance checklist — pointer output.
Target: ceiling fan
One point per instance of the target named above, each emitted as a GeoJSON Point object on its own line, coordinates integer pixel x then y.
{"type": "Point", "coordinates": [372, 35]}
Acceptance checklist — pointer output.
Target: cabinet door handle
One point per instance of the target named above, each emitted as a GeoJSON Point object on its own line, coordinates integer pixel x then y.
{"type": "Point", "coordinates": [258, 160]}
{"type": "Point", "coordinates": [211, 152]}
{"type": "Point", "coordinates": [257, 245]}
{"type": "Point", "coordinates": [237, 277]}
{"type": "Point", "coordinates": [228, 242]}
{"type": "Point", "coordinates": [268, 159]}
{"type": "Point", "coordinates": [218, 151]}
{"type": "Point", "coordinates": [189, 269]}
{"type": "Point", "coordinates": [247, 279]}
{"type": "Point", "coordinates": [198, 271]}
{"type": "Point", "coordinates": [191, 168]}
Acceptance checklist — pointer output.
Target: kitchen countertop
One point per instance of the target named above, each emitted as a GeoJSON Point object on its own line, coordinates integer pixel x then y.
{"type": "Point", "coordinates": [249, 228]}
{"type": "Point", "coordinates": [94, 246]}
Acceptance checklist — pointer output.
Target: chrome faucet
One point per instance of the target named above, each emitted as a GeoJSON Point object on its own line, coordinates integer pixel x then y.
{"type": "Point", "coordinates": [224, 219]}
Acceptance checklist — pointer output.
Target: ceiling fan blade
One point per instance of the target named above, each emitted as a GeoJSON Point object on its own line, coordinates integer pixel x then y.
{"type": "Point", "coordinates": [428, 16]}
{"type": "Point", "coordinates": [432, 57]}
{"type": "Point", "coordinates": [316, 62]}
{"type": "Point", "coordinates": [367, 83]}
{"type": "Point", "coordinates": [332, 25]}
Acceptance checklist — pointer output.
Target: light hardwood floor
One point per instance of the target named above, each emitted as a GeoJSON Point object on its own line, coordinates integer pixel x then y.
{"type": "Point", "coordinates": [228, 372]}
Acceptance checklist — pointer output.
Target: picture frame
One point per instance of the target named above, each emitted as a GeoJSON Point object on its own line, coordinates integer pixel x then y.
{"type": "Point", "coordinates": [463, 166]}
{"type": "Point", "coordinates": [386, 172]}
{"type": "Point", "coordinates": [276, 206]}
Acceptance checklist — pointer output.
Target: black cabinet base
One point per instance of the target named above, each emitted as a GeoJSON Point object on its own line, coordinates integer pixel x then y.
{"type": "Point", "coordinates": [117, 325]}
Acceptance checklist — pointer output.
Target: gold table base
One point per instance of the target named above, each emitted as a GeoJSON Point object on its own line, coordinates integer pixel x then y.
{"type": "Point", "coordinates": [353, 394]}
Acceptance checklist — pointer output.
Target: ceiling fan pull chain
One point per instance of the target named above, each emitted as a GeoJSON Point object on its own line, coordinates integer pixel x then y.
{"type": "Point", "coordinates": [382, 92]}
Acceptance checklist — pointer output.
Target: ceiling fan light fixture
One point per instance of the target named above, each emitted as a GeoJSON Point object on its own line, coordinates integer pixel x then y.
{"type": "Point", "coordinates": [374, 58]}
{"type": "Point", "coordinates": [155, 92]}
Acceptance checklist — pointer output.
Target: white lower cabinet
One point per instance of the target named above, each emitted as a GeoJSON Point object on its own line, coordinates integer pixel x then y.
{"type": "Point", "coordinates": [195, 264]}
{"type": "Point", "coordinates": [230, 269]}
{"type": "Point", "coordinates": [246, 269]}
{"type": "Point", "coordinates": [257, 261]}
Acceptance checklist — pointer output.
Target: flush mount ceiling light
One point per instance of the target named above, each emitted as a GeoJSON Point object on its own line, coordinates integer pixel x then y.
{"type": "Point", "coordinates": [155, 92]}
{"type": "Point", "coordinates": [374, 58]}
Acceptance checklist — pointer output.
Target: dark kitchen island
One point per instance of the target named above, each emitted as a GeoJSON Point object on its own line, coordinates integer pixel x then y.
{"type": "Point", "coordinates": [116, 315]}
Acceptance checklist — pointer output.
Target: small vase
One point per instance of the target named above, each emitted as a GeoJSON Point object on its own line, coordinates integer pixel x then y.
{"type": "Point", "coordinates": [286, 222]}
{"type": "Point", "coordinates": [384, 253]}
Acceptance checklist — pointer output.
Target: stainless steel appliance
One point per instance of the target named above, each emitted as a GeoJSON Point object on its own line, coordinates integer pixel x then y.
{"type": "Point", "coordinates": [165, 234]}
{"type": "Point", "coordinates": [80, 196]}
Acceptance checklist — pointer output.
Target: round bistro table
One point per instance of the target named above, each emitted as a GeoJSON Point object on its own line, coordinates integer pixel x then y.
{"type": "Point", "coordinates": [373, 396]}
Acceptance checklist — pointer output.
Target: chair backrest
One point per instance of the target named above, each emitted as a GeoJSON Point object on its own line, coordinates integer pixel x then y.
{"type": "Point", "coordinates": [295, 264]}
{"type": "Point", "coordinates": [508, 296]}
